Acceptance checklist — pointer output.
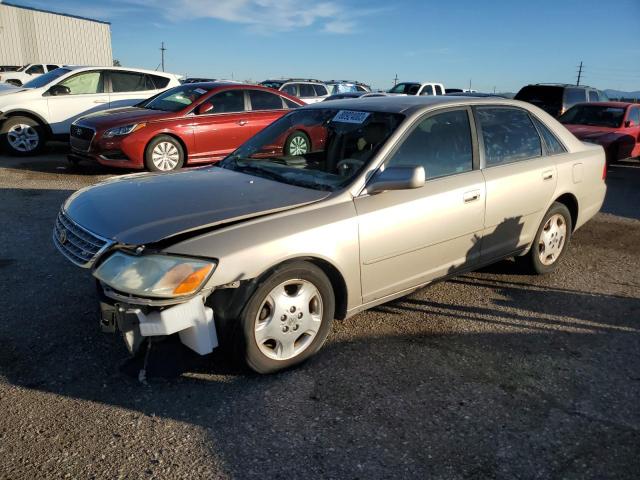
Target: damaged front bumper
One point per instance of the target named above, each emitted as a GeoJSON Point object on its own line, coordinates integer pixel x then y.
{"type": "Point", "coordinates": [191, 320]}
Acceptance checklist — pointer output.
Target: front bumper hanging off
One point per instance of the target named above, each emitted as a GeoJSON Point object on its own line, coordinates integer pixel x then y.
{"type": "Point", "coordinates": [192, 320]}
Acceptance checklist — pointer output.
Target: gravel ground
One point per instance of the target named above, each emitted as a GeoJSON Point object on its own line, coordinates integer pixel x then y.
{"type": "Point", "coordinates": [494, 374]}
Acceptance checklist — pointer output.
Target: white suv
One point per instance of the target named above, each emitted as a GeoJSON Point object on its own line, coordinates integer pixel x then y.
{"type": "Point", "coordinates": [26, 73]}
{"type": "Point", "coordinates": [417, 88]}
{"type": "Point", "coordinates": [309, 91]}
{"type": "Point", "coordinates": [46, 107]}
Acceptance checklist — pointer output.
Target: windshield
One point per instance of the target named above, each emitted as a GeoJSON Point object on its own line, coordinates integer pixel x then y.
{"type": "Point", "coordinates": [323, 149]}
{"type": "Point", "coordinates": [21, 69]}
{"type": "Point", "coordinates": [594, 115]}
{"type": "Point", "coordinates": [406, 88]}
{"type": "Point", "coordinates": [175, 99]}
{"type": "Point", "coordinates": [270, 84]}
{"type": "Point", "coordinates": [46, 78]}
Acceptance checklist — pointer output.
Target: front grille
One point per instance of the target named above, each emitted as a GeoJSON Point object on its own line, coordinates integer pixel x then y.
{"type": "Point", "coordinates": [81, 137]}
{"type": "Point", "coordinates": [76, 243]}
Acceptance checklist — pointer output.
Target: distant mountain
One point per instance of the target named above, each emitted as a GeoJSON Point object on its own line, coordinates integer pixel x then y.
{"type": "Point", "coordinates": [621, 94]}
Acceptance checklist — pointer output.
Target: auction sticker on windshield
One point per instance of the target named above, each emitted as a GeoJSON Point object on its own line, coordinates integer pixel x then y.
{"type": "Point", "coordinates": [349, 116]}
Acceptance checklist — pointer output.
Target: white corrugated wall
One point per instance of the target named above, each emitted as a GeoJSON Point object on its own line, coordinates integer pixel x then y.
{"type": "Point", "coordinates": [31, 36]}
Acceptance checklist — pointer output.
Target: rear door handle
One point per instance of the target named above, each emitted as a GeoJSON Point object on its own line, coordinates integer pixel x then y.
{"type": "Point", "coordinates": [547, 175]}
{"type": "Point", "coordinates": [242, 122]}
{"type": "Point", "coordinates": [471, 196]}
{"type": "Point", "coordinates": [99, 101]}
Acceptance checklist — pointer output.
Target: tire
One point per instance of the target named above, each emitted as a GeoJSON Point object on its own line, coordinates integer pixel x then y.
{"type": "Point", "coordinates": [280, 328]}
{"type": "Point", "coordinates": [22, 136]}
{"type": "Point", "coordinates": [544, 256]}
{"type": "Point", "coordinates": [164, 154]}
{"type": "Point", "coordinates": [297, 144]}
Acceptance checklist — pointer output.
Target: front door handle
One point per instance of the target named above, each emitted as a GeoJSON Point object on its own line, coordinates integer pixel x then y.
{"type": "Point", "coordinates": [99, 101]}
{"type": "Point", "coordinates": [471, 196]}
{"type": "Point", "coordinates": [547, 175]}
{"type": "Point", "coordinates": [242, 122]}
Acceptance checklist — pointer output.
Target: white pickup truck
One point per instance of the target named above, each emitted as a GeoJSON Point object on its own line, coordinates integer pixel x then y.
{"type": "Point", "coordinates": [26, 73]}
{"type": "Point", "coordinates": [417, 88]}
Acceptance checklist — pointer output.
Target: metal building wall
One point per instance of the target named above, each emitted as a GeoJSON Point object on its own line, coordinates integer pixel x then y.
{"type": "Point", "coordinates": [34, 36]}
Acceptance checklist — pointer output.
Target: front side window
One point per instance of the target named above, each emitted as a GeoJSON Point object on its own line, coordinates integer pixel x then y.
{"type": "Point", "coordinates": [261, 100]}
{"type": "Point", "coordinates": [508, 135]}
{"type": "Point", "coordinates": [174, 99]}
{"type": "Point", "coordinates": [128, 82]}
{"type": "Point", "coordinates": [339, 144]}
{"type": "Point", "coordinates": [441, 144]}
{"type": "Point", "coordinates": [230, 101]}
{"type": "Point", "coordinates": [35, 70]}
{"type": "Point", "coordinates": [634, 116]}
{"type": "Point", "coordinates": [405, 88]}
{"type": "Point", "coordinates": [306, 90]}
{"type": "Point", "coordinates": [554, 147]}
{"type": "Point", "coordinates": [84, 83]}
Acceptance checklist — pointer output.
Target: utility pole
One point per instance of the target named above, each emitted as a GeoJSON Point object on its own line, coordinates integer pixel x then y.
{"type": "Point", "coordinates": [395, 80]}
{"type": "Point", "coordinates": [469, 84]}
{"type": "Point", "coordinates": [579, 74]}
{"type": "Point", "coordinates": [162, 50]}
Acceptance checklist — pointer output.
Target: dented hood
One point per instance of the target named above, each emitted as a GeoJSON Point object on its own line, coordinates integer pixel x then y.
{"type": "Point", "coordinates": [146, 208]}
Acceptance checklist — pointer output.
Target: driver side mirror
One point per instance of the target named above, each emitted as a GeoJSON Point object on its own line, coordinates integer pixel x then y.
{"type": "Point", "coordinates": [403, 177]}
{"type": "Point", "coordinates": [629, 123]}
{"type": "Point", "coordinates": [59, 90]}
{"type": "Point", "coordinates": [203, 108]}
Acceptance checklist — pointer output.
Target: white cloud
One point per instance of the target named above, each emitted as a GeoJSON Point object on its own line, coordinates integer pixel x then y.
{"type": "Point", "coordinates": [263, 15]}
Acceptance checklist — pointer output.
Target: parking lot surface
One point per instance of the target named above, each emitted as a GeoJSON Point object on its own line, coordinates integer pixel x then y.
{"type": "Point", "coordinates": [494, 374]}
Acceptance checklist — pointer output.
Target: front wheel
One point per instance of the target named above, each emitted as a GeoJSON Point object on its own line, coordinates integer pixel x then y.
{"type": "Point", "coordinates": [551, 241]}
{"type": "Point", "coordinates": [287, 318]}
{"type": "Point", "coordinates": [22, 136]}
{"type": "Point", "coordinates": [164, 154]}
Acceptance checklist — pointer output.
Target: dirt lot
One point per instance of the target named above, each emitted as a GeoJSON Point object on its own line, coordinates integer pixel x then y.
{"type": "Point", "coordinates": [494, 374]}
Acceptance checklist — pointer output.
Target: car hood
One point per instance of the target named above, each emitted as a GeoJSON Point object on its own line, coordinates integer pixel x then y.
{"type": "Point", "coordinates": [122, 116]}
{"type": "Point", "coordinates": [146, 208]}
{"type": "Point", "coordinates": [8, 89]}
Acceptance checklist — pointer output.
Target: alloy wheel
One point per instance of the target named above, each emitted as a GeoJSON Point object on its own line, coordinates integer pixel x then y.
{"type": "Point", "coordinates": [552, 239]}
{"type": "Point", "coordinates": [23, 138]}
{"type": "Point", "coordinates": [165, 156]}
{"type": "Point", "coordinates": [298, 145]}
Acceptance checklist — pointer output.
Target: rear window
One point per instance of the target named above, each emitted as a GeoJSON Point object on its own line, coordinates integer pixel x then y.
{"type": "Point", "coordinates": [546, 97]}
{"type": "Point", "coordinates": [158, 81]}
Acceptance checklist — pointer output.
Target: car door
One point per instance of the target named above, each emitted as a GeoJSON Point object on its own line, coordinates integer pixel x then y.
{"type": "Point", "coordinates": [632, 126]}
{"type": "Point", "coordinates": [265, 108]}
{"type": "Point", "coordinates": [520, 180]}
{"type": "Point", "coordinates": [224, 128]}
{"type": "Point", "coordinates": [409, 237]}
{"type": "Point", "coordinates": [127, 88]}
{"type": "Point", "coordinates": [86, 95]}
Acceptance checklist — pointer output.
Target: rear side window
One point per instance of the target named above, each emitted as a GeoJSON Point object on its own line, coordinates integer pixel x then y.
{"type": "Point", "coordinates": [307, 90]}
{"type": "Point", "coordinates": [508, 135]}
{"type": "Point", "coordinates": [573, 96]}
{"type": "Point", "coordinates": [291, 89]}
{"type": "Point", "coordinates": [439, 90]}
{"type": "Point", "coordinates": [290, 104]}
{"type": "Point", "coordinates": [158, 81]}
{"type": "Point", "coordinates": [35, 69]}
{"type": "Point", "coordinates": [440, 143]}
{"type": "Point", "coordinates": [554, 147]}
{"type": "Point", "coordinates": [128, 82]}
{"type": "Point", "coordinates": [321, 90]}
{"type": "Point", "coordinates": [261, 100]}
{"type": "Point", "coordinates": [427, 90]}
{"type": "Point", "coordinates": [228, 102]}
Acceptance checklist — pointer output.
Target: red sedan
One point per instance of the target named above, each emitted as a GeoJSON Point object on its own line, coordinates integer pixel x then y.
{"type": "Point", "coordinates": [190, 124]}
{"type": "Point", "coordinates": [614, 125]}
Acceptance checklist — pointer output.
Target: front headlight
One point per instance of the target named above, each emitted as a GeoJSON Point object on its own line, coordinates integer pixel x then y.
{"type": "Point", "coordinates": [124, 130]}
{"type": "Point", "coordinates": [154, 275]}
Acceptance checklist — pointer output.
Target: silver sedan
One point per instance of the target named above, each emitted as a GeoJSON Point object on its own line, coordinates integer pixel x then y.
{"type": "Point", "coordinates": [389, 194]}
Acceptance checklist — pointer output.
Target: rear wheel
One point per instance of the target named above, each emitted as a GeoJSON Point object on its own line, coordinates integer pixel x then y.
{"type": "Point", "coordinates": [22, 136]}
{"type": "Point", "coordinates": [297, 144]}
{"type": "Point", "coordinates": [551, 241]}
{"type": "Point", "coordinates": [164, 154]}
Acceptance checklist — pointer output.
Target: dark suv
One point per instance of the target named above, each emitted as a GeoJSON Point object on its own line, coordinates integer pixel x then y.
{"type": "Point", "coordinates": [557, 98]}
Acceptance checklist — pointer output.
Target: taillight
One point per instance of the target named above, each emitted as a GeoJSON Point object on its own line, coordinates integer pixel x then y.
{"type": "Point", "coordinates": [604, 171]}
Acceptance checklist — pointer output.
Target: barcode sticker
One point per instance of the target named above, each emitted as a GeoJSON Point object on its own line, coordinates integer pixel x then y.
{"type": "Point", "coordinates": [349, 116]}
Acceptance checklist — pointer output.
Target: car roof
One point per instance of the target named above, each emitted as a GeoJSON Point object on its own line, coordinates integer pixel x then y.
{"type": "Point", "coordinates": [607, 104]}
{"type": "Point", "coordinates": [411, 103]}
{"type": "Point", "coordinates": [125, 69]}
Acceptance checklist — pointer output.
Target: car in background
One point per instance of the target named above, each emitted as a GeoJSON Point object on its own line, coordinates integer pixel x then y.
{"type": "Point", "coordinates": [344, 86]}
{"type": "Point", "coordinates": [343, 95]}
{"type": "Point", "coordinates": [307, 90]}
{"type": "Point", "coordinates": [417, 88]}
{"type": "Point", "coordinates": [9, 68]}
{"type": "Point", "coordinates": [26, 73]}
{"type": "Point", "coordinates": [262, 251]}
{"type": "Point", "coordinates": [46, 106]}
{"type": "Point", "coordinates": [557, 98]}
{"type": "Point", "coordinates": [185, 125]}
{"type": "Point", "coordinates": [614, 125]}
{"type": "Point", "coordinates": [474, 94]}
{"type": "Point", "coordinates": [197, 80]}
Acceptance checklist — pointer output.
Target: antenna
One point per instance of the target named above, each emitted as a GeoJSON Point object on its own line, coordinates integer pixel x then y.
{"type": "Point", "coordinates": [162, 50]}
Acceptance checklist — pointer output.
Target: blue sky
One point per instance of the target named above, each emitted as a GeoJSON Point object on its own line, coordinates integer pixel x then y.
{"type": "Point", "coordinates": [501, 44]}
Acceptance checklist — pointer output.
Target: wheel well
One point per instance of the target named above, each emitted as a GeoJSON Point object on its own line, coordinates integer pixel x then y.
{"type": "Point", "coordinates": [337, 282]}
{"type": "Point", "coordinates": [32, 116]}
{"type": "Point", "coordinates": [175, 137]}
{"type": "Point", "coordinates": [570, 201]}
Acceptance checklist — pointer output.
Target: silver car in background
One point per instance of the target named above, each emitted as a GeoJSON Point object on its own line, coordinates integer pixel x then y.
{"type": "Point", "coordinates": [266, 249]}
